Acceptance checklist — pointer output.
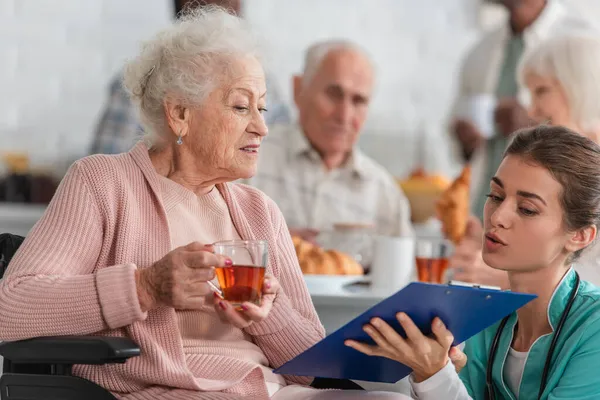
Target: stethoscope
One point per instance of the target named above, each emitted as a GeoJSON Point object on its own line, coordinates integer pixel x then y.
{"type": "Point", "coordinates": [489, 384]}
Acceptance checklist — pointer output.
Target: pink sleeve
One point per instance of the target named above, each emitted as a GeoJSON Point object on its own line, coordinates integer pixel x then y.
{"type": "Point", "coordinates": [292, 325]}
{"type": "Point", "coordinates": [52, 286]}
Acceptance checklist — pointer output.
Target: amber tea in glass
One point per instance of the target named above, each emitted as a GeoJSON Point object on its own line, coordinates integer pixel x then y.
{"type": "Point", "coordinates": [243, 281]}
{"type": "Point", "coordinates": [432, 259]}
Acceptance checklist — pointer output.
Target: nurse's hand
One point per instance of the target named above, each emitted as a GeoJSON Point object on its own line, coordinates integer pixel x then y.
{"type": "Point", "coordinates": [425, 355]}
{"type": "Point", "coordinates": [458, 358]}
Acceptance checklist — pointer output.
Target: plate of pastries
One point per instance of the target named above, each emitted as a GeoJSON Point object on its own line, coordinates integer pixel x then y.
{"type": "Point", "coordinates": [316, 260]}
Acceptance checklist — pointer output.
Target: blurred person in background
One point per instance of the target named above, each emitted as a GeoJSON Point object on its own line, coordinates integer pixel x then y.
{"type": "Point", "coordinates": [313, 168]}
{"type": "Point", "coordinates": [562, 77]}
{"type": "Point", "coordinates": [119, 126]}
{"type": "Point", "coordinates": [488, 76]}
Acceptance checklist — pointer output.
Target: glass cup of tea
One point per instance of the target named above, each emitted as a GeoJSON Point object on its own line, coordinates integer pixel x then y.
{"type": "Point", "coordinates": [243, 281]}
{"type": "Point", "coordinates": [432, 259]}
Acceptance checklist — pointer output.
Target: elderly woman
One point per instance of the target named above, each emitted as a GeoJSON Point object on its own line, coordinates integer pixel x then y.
{"type": "Point", "coordinates": [563, 79]}
{"type": "Point", "coordinates": [121, 250]}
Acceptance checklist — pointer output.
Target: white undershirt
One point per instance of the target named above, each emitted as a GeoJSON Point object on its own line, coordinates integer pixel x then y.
{"type": "Point", "coordinates": [513, 369]}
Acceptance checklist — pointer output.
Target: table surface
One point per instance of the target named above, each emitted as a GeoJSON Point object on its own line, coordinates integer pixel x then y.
{"type": "Point", "coordinates": [19, 218]}
{"type": "Point", "coordinates": [329, 290]}
{"type": "Point", "coordinates": [347, 291]}
{"type": "Point", "coordinates": [19, 211]}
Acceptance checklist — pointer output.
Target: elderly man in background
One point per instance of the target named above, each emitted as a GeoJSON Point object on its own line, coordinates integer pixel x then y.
{"type": "Point", "coordinates": [119, 127]}
{"type": "Point", "coordinates": [488, 76]}
{"type": "Point", "coordinates": [313, 169]}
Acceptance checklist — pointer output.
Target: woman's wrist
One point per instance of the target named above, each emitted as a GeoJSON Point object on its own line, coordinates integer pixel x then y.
{"type": "Point", "coordinates": [144, 291]}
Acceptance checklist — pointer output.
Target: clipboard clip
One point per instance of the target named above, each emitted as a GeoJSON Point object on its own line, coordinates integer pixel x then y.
{"type": "Point", "coordinates": [474, 285]}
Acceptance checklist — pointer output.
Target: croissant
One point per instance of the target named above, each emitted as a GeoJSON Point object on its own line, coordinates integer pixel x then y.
{"type": "Point", "coordinates": [316, 261]}
{"type": "Point", "coordinates": [452, 207]}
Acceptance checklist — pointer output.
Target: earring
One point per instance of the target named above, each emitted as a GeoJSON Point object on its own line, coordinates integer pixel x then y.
{"type": "Point", "coordinates": [179, 140]}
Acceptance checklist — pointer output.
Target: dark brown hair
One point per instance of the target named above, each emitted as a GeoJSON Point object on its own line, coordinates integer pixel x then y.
{"type": "Point", "coordinates": [574, 161]}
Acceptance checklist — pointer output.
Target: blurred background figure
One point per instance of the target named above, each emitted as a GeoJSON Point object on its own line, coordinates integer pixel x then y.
{"type": "Point", "coordinates": [489, 106]}
{"type": "Point", "coordinates": [562, 78]}
{"type": "Point", "coordinates": [313, 169]}
{"type": "Point", "coordinates": [119, 127]}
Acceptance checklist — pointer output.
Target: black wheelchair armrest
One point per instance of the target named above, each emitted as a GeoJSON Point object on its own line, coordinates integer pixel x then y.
{"type": "Point", "coordinates": [70, 350]}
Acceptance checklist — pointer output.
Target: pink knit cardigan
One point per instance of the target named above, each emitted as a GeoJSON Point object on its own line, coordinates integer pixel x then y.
{"type": "Point", "coordinates": [74, 275]}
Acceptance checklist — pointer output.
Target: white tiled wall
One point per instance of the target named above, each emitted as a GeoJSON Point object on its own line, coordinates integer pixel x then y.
{"type": "Point", "coordinates": [57, 56]}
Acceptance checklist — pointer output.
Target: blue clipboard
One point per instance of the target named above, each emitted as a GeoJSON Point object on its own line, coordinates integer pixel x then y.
{"type": "Point", "coordinates": [465, 310]}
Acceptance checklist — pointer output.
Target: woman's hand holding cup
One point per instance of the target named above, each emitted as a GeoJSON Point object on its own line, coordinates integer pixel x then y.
{"type": "Point", "coordinates": [248, 292]}
{"type": "Point", "coordinates": [180, 279]}
{"type": "Point", "coordinates": [248, 313]}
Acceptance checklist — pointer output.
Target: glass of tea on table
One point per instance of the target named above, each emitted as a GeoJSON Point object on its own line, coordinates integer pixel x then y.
{"type": "Point", "coordinates": [432, 259]}
{"type": "Point", "coordinates": [243, 281]}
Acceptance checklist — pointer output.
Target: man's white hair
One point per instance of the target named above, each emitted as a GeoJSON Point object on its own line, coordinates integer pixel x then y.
{"type": "Point", "coordinates": [185, 63]}
{"type": "Point", "coordinates": [317, 52]}
{"type": "Point", "coordinates": [574, 61]}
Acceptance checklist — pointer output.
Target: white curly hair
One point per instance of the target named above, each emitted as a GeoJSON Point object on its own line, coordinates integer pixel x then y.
{"type": "Point", "coordinates": [574, 61]}
{"type": "Point", "coordinates": [185, 62]}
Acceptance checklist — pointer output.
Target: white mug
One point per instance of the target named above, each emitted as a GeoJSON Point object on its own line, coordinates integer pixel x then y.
{"type": "Point", "coordinates": [393, 265]}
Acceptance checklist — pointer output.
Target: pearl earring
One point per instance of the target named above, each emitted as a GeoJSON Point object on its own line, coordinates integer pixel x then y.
{"type": "Point", "coordinates": [179, 140]}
